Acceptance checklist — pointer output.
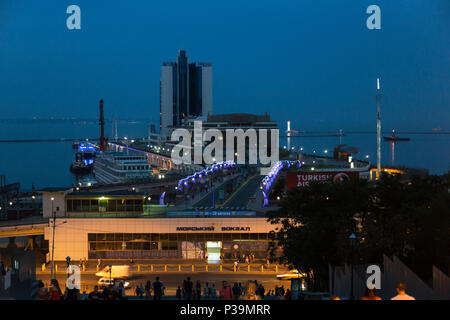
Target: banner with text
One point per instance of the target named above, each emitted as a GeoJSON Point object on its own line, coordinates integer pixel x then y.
{"type": "Point", "coordinates": [301, 179]}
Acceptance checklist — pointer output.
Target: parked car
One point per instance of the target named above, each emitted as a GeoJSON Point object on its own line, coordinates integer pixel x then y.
{"type": "Point", "coordinates": [105, 282]}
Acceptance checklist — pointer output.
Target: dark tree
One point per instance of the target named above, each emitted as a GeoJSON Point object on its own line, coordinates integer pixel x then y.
{"type": "Point", "coordinates": [410, 219]}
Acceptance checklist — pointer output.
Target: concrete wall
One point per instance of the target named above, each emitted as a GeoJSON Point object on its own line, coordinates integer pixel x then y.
{"type": "Point", "coordinates": [166, 99]}
{"type": "Point", "coordinates": [59, 204]}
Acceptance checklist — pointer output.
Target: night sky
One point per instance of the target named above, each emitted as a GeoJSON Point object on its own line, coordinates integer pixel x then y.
{"type": "Point", "coordinates": [313, 61]}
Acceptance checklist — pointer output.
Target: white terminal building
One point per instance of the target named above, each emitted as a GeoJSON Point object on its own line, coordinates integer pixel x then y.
{"type": "Point", "coordinates": [124, 225]}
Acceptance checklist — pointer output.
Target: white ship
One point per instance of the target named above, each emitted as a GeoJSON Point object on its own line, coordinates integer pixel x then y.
{"type": "Point", "coordinates": [118, 167]}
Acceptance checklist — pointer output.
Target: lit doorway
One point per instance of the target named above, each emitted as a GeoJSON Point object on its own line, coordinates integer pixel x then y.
{"type": "Point", "coordinates": [213, 249]}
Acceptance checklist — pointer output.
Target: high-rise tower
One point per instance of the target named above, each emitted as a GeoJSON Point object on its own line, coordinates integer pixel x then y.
{"type": "Point", "coordinates": [185, 91]}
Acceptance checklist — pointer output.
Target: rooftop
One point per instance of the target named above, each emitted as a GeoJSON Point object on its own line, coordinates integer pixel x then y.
{"type": "Point", "coordinates": [239, 118]}
{"type": "Point", "coordinates": [116, 193]}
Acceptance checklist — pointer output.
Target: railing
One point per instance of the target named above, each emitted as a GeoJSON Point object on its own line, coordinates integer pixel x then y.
{"type": "Point", "coordinates": [182, 267]}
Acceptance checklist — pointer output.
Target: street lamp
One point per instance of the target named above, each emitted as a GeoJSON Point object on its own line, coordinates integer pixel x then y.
{"type": "Point", "coordinates": [53, 245]}
{"type": "Point", "coordinates": [33, 197]}
{"type": "Point", "coordinates": [53, 238]}
{"type": "Point", "coordinates": [352, 239]}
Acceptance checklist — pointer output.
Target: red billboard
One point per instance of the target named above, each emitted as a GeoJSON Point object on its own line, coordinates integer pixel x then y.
{"type": "Point", "coordinates": [301, 179]}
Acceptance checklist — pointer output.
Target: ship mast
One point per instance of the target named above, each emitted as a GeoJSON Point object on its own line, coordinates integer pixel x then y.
{"type": "Point", "coordinates": [378, 129]}
{"type": "Point", "coordinates": [102, 129]}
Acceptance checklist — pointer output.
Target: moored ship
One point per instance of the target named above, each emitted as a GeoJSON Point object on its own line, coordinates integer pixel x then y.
{"type": "Point", "coordinates": [84, 159]}
{"type": "Point", "coordinates": [395, 138]}
{"type": "Point", "coordinates": [117, 167]}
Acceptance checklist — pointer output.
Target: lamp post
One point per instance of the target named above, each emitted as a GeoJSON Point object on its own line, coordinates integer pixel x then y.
{"type": "Point", "coordinates": [53, 238]}
{"type": "Point", "coordinates": [126, 143]}
{"type": "Point", "coordinates": [352, 239]}
{"type": "Point", "coordinates": [32, 203]}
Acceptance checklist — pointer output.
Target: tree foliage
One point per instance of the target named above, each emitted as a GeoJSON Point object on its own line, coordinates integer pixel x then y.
{"type": "Point", "coordinates": [409, 219]}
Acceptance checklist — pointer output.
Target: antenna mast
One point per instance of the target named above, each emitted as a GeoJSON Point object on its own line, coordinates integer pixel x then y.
{"type": "Point", "coordinates": [378, 129]}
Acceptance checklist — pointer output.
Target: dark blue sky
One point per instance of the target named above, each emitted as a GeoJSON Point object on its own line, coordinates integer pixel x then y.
{"type": "Point", "coordinates": [313, 62]}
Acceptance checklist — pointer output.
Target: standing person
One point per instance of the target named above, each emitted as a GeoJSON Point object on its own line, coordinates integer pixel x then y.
{"type": "Point", "coordinates": [370, 294]}
{"type": "Point", "coordinates": [121, 292]}
{"type": "Point", "coordinates": [72, 294]}
{"type": "Point", "coordinates": [236, 291]}
{"type": "Point", "coordinates": [288, 295]}
{"type": "Point", "coordinates": [249, 292]}
{"type": "Point", "coordinates": [141, 290]}
{"type": "Point", "coordinates": [55, 290]}
{"type": "Point", "coordinates": [95, 295]}
{"type": "Point", "coordinates": [148, 288]}
{"type": "Point", "coordinates": [187, 287]}
{"type": "Point", "coordinates": [42, 293]}
{"type": "Point", "coordinates": [157, 289]}
{"type": "Point", "coordinates": [137, 291]}
{"type": "Point", "coordinates": [109, 293]}
{"type": "Point", "coordinates": [178, 293]}
{"type": "Point", "coordinates": [213, 291]}
{"type": "Point", "coordinates": [277, 291]}
{"type": "Point", "coordinates": [206, 290]}
{"type": "Point", "coordinates": [261, 291]}
{"type": "Point", "coordinates": [2, 269]}
{"type": "Point", "coordinates": [198, 290]}
{"type": "Point", "coordinates": [401, 292]}
{"type": "Point", "coordinates": [225, 292]}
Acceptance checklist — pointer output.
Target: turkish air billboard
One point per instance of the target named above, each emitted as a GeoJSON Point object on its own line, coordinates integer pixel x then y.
{"type": "Point", "coordinates": [302, 179]}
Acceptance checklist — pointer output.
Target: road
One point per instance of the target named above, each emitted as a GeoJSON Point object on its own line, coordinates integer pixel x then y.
{"type": "Point", "coordinates": [208, 200]}
{"type": "Point", "coordinates": [243, 194]}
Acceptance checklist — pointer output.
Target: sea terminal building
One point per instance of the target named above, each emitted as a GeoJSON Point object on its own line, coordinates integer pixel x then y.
{"type": "Point", "coordinates": [123, 225]}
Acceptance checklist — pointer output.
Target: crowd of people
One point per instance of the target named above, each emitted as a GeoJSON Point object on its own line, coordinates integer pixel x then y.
{"type": "Point", "coordinates": [53, 292]}
{"type": "Point", "coordinates": [371, 294]}
{"type": "Point", "coordinates": [251, 290]}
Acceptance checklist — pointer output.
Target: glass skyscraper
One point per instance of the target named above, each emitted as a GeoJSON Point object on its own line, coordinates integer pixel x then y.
{"type": "Point", "coordinates": [185, 91]}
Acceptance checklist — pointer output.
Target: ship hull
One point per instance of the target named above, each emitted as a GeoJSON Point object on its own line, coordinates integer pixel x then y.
{"type": "Point", "coordinates": [80, 169]}
{"type": "Point", "coordinates": [396, 139]}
